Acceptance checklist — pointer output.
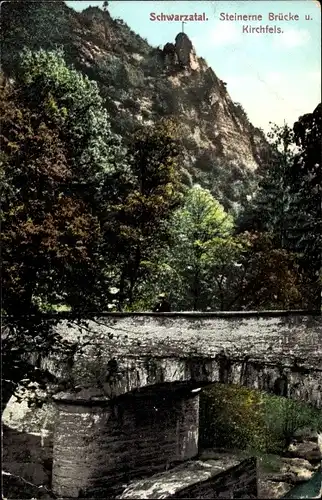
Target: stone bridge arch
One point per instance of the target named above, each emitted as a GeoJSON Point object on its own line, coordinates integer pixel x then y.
{"type": "Point", "coordinates": [278, 352]}
{"type": "Point", "coordinates": [143, 416]}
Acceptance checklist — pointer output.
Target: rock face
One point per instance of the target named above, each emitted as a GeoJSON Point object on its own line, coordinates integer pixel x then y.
{"type": "Point", "coordinates": [27, 449]}
{"type": "Point", "coordinates": [170, 55]}
{"type": "Point", "coordinates": [186, 53]}
{"type": "Point", "coordinates": [140, 84]}
{"type": "Point", "coordinates": [272, 489]}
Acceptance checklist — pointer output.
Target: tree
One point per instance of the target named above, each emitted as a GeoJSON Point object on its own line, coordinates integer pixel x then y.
{"type": "Point", "coordinates": [58, 157]}
{"type": "Point", "coordinates": [271, 279]}
{"type": "Point", "coordinates": [288, 202]}
{"type": "Point", "coordinates": [305, 180]}
{"type": "Point", "coordinates": [136, 220]}
{"type": "Point", "coordinates": [269, 210]}
{"type": "Point", "coordinates": [71, 102]}
{"type": "Point", "coordinates": [196, 228]}
{"type": "Point", "coordinates": [65, 104]}
{"type": "Point", "coordinates": [226, 269]}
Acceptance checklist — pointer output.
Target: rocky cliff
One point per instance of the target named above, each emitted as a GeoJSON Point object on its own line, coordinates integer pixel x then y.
{"type": "Point", "coordinates": [140, 84]}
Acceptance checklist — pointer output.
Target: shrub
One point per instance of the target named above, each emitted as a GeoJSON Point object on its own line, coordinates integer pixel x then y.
{"type": "Point", "coordinates": [238, 417]}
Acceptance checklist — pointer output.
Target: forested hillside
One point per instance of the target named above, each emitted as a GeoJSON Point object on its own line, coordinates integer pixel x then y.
{"type": "Point", "coordinates": [140, 84]}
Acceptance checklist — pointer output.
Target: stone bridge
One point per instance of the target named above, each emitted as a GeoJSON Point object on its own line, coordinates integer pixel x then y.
{"type": "Point", "coordinates": [277, 352]}
{"type": "Point", "coordinates": [137, 377]}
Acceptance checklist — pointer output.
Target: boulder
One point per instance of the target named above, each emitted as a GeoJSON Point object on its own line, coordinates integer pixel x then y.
{"type": "Point", "coordinates": [186, 53]}
{"type": "Point", "coordinates": [299, 464]}
{"type": "Point", "coordinates": [305, 434]}
{"type": "Point", "coordinates": [272, 489]}
{"type": "Point", "coordinates": [294, 471]}
{"type": "Point", "coordinates": [169, 55]}
{"type": "Point", "coordinates": [308, 450]}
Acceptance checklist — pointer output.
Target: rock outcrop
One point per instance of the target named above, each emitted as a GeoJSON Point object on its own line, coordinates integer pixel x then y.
{"type": "Point", "coordinates": [294, 470]}
{"type": "Point", "coordinates": [170, 55]}
{"type": "Point", "coordinates": [186, 53]}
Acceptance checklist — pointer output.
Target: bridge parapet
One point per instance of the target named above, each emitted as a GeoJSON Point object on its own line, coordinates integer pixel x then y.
{"type": "Point", "coordinates": [277, 352]}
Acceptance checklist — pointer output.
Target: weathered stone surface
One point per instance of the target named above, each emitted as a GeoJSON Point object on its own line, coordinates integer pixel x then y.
{"type": "Point", "coordinates": [272, 489]}
{"type": "Point", "coordinates": [307, 450]}
{"type": "Point", "coordinates": [120, 440]}
{"type": "Point", "coordinates": [273, 352]}
{"type": "Point", "coordinates": [199, 479]}
{"type": "Point", "coordinates": [225, 458]}
{"type": "Point", "coordinates": [16, 487]}
{"type": "Point", "coordinates": [186, 54]}
{"type": "Point", "coordinates": [169, 55]}
{"type": "Point", "coordinates": [27, 447]}
{"type": "Point", "coordinates": [276, 475]}
{"type": "Point", "coordinates": [294, 470]}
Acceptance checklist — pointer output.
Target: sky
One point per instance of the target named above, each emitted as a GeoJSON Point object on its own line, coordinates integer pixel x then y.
{"type": "Point", "coordinates": [275, 76]}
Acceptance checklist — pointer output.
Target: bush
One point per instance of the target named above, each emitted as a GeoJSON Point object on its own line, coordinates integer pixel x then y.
{"type": "Point", "coordinates": [237, 417]}
{"type": "Point", "coordinates": [231, 417]}
{"type": "Point", "coordinates": [286, 416]}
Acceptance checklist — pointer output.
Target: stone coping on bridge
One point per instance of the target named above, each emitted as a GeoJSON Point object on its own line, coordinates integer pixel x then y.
{"type": "Point", "coordinates": [272, 338]}
{"type": "Point", "coordinates": [280, 353]}
{"type": "Point", "coordinates": [182, 314]}
{"type": "Point", "coordinates": [193, 474]}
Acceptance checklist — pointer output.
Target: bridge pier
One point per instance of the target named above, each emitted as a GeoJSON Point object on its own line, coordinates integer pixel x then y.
{"type": "Point", "coordinates": [101, 444]}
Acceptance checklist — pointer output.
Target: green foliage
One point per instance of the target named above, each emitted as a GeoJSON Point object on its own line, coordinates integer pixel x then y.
{"type": "Point", "coordinates": [270, 277]}
{"type": "Point", "coordinates": [33, 25]}
{"type": "Point", "coordinates": [269, 210]}
{"type": "Point", "coordinates": [231, 417]}
{"type": "Point", "coordinates": [305, 208]}
{"type": "Point", "coordinates": [44, 228]}
{"type": "Point", "coordinates": [136, 221]}
{"type": "Point", "coordinates": [72, 103]}
{"type": "Point", "coordinates": [61, 142]}
{"type": "Point", "coordinates": [197, 229]}
{"type": "Point", "coordinates": [285, 416]}
{"type": "Point", "coordinates": [237, 417]}
{"type": "Point", "coordinates": [207, 267]}
{"type": "Point", "coordinates": [288, 206]}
